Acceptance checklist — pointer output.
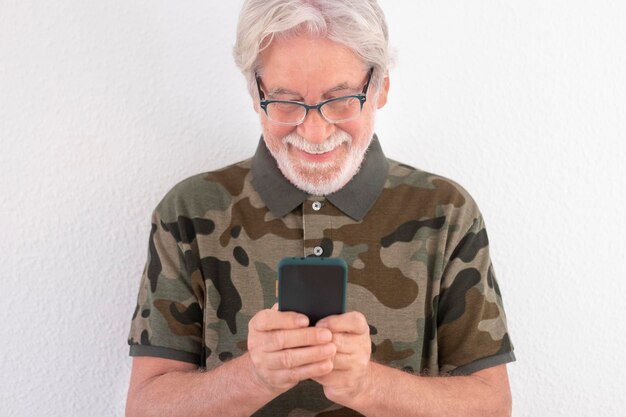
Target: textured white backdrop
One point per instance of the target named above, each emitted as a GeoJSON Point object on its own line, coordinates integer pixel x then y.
{"type": "Point", "coordinates": [105, 105]}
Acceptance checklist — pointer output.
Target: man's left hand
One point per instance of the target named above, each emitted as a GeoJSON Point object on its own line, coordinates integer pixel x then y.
{"type": "Point", "coordinates": [351, 373]}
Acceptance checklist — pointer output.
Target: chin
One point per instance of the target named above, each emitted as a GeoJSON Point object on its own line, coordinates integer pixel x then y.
{"type": "Point", "coordinates": [316, 183]}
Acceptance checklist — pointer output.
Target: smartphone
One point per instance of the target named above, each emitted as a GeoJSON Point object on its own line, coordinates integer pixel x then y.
{"type": "Point", "coordinates": [312, 286]}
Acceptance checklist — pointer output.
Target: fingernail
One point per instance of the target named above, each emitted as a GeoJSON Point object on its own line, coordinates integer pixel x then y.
{"type": "Point", "coordinates": [302, 321]}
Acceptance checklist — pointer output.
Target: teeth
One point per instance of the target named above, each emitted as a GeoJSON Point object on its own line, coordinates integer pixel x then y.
{"type": "Point", "coordinates": [318, 152]}
{"type": "Point", "coordinates": [298, 142]}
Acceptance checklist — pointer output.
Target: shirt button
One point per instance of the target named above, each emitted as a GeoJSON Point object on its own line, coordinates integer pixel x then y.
{"type": "Point", "coordinates": [318, 251]}
{"type": "Point", "coordinates": [317, 205]}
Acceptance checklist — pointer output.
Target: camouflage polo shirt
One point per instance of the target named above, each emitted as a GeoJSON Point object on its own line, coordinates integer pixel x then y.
{"type": "Point", "coordinates": [415, 244]}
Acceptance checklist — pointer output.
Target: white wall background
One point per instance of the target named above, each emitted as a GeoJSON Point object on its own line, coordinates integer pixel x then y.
{"type": "Point", "coordinates": [104, 105]}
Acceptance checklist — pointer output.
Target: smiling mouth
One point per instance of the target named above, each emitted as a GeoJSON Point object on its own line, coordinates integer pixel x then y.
{"type": "Point", "coordinates": [314, 155]}
{"type": "Point", "coordinates": [318, 152]}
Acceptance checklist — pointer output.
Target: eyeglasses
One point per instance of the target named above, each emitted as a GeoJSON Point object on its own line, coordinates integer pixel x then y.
{"type": "Point", "coordinates": [335, 110]}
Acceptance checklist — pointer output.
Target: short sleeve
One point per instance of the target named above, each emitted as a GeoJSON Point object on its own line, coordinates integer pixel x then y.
{"type": "Point", "coordinates": [167, 321]}
{"type": "Point", "coordinates": [472, 332]}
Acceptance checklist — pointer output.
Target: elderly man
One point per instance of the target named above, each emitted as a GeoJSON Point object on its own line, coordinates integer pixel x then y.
{"type": "Point", "coordinates": [423, 302]}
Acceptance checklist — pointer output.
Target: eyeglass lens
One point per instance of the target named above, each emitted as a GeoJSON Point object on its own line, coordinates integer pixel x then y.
{"type": "Point", "coordinates": [342, 109]}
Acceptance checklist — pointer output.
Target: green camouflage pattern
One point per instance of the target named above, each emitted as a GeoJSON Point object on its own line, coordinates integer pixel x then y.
{"type": "Point", "coordinates": [419, 270]}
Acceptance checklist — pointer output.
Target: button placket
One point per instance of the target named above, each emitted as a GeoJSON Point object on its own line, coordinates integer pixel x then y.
{"type": "Point", "coordinates": [316, 222]}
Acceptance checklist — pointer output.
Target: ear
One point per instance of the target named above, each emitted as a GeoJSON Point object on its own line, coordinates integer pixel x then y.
{"type": "Point", "coordinates": [384, 90]}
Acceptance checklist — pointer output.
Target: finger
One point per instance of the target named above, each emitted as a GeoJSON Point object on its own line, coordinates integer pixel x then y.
{"type": "Point", "coordinates": [294, 358]}
{"type": "Point", "coordinates": [352, 322]}
{"type": "Point", "coordinates": [343, 342]}
{"type": "Point", "coordinates": [309, 371]}
{"type": "Point", "coordinates": [268, 320]}
{"type": "Point", "coordinates": [295, 338]}
{"type": "Point", "coordinates": [342, 361]}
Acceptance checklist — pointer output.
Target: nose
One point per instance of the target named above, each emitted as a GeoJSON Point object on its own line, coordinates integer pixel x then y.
{"type": "Point", "coordinates": [315, 128]}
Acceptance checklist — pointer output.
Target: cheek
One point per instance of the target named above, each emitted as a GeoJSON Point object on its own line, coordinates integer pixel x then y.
{"type": "Point", "coordinates": [358, 131]}
{"type": "Point", "coordinates": [274, 134]}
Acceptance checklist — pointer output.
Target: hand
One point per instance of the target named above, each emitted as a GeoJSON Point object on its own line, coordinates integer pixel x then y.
{"type": "Point", "coordinates": [352, 367]}
{"type": "Point", "coordinates": [284, 350]}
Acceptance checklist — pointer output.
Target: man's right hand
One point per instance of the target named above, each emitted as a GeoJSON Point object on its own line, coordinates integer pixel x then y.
{"type": "Point", "coordinates": [285, 351]}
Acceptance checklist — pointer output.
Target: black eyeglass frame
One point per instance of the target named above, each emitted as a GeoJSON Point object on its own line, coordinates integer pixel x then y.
{"type": "Point", "coordinates": [362, 97]}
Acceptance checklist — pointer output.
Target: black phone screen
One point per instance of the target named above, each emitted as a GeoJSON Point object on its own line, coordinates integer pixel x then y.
{"type": "Point", "coordinates": [314, 290]}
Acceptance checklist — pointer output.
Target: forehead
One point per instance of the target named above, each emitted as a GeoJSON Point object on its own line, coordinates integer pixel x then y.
{"type": "Point", "coordinates": [309, 63]}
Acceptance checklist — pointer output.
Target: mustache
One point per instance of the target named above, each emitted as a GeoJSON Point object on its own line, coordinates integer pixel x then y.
{"type": "Point", "coordinates": [338, 138]}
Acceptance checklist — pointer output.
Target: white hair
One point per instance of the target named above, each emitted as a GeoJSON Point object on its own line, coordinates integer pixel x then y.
{"type": "Point", "coordinates": [357, 24]}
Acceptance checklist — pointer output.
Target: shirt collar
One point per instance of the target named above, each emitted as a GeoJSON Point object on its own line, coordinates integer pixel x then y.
{"type": "Point", "coordinates": [354, 199]}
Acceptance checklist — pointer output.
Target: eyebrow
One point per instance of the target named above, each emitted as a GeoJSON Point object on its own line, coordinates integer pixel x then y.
{"type": "Point", "coordinates": [340, 87]}
{"type": "Point", "coordinates": [283, 91]}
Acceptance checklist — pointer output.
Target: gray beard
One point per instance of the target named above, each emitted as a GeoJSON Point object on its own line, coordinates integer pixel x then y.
{"type": "Point", "coordinates": [324, 178]}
